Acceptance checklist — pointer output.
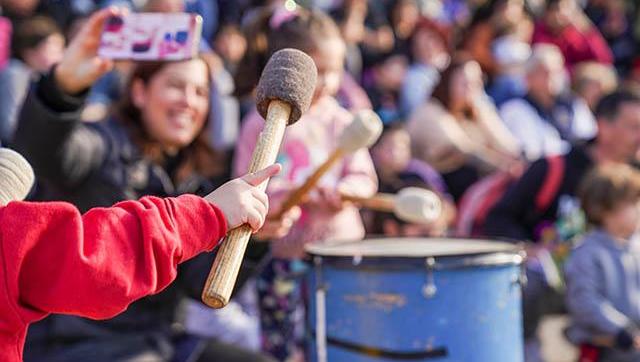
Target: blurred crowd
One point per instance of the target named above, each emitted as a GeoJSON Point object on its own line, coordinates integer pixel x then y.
{"type": "Point", "coordinates": [523, 116]}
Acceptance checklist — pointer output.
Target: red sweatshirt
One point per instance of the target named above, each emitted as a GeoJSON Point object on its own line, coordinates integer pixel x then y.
{"type": "Point", "coordinates": [55, 260]}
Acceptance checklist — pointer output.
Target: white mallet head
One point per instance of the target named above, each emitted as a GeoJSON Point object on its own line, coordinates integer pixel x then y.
{"type": "Point", "coordinates": [362, 132]}
{"type": "Point", "coordinates": [16, 176]}
{"type": "Point", "coordinates": [417, 205]}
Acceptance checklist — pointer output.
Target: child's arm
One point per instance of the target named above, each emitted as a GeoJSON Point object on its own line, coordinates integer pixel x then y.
{"type": "Point", "coordinates": [587, 305]}
{"type": "Point", "coordinates": [94, 265]}
{"type": "Point", "coordinates": [58, 261]}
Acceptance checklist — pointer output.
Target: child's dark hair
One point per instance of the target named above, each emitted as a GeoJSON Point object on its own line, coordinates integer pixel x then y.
{"type": "Point", "coordinates": [607, 187]}
{"type": "Point", "coordinates": [29, 33]}
{"type": "Point", "coordinates": [275, 29]}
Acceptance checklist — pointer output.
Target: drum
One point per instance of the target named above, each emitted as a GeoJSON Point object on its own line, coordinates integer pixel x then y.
{"type": "Point", "coordinates": [415, 299]}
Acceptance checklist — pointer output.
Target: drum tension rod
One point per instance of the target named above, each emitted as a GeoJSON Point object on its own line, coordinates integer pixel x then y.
{"type": "Point", "coordinates": [429, 290]}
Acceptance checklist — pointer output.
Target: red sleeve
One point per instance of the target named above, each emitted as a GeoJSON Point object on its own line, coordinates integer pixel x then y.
{"type": "Point", "coordinates": [598, 46]}
{"type": "Point", "coordinates": [94, 265]}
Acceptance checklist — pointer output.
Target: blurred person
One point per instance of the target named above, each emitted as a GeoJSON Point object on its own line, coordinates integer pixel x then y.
{"type": "Point", "coordinates": [552, 184]}
{"type": "Point", "coordinates": [459, 132]}
{"type": "Point", "coordinates": [546, 120]}
{"type": "Point", "coordinates": [350, 17]}
{"type": "Point", "coordinates": [396, 170]}
{"type": "Point", "coordinates": [603, 271]}
{"type": "Point", "coordinates": [231, 45]}
{"type": "Point", "coordinates": [490, 21]}
{"type": "Point", "coordinates": [591, 81]}
{"type": "Point", "coordinates": [565, 25]}
{"type": "Point", "coordinates": [383, 83]}
{"type": "Point", "coordinates": [19, 9]}
{"type": "Point", "coordinates": [430, 56]}
{"type": "Point", "coordinates": [615, 20]}
{"type": "Point", "coordinates": [153, 144]}
{"type": "Point", "coordinates": [511, 56]}
{"type": "Point", "coordinates": [307, 143]}
{"type": "Point", "coordinates": [37, 43]}
{"type": "Point", "coordinates": [404, 16]}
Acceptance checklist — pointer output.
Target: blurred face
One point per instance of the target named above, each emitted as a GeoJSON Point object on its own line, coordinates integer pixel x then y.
{"type": "Point", "coordinates": [393, 153]}
{"type": "Point", "coordinates": [623, 221]}
{"type": "Point", "coordinates": [21, 7]}
{"type": "Point", "coordinates": [329, 59]}
{"type": "Point", "coordinates": [46, 54]}
{"type": "Point", "coordinates": [428, 48]}
{"type": "Point", "coordinates": [547, 78]}
{"type": "Point", "coordinates": [231, 45]}
{"type": "Point", "coordinates": [559, 16]}
{"type": "Point", "coordinates": [621, 136]}
{"type": "Point", "coordinates": [466, 82]}
{"type": "Point", "coordinates": [390, 74]}
{"type": "Point", "coordinates": [175, 103]}
{"type": "Point", "coordinates": [165, 6]}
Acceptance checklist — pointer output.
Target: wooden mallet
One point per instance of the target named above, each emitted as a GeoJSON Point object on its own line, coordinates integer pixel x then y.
{"type": "Point", "coordinates": [283, 94]}
{"type": "Point", "coordinates": [362, 132]}
{"type": "Point", "coordinates": [412, 204]}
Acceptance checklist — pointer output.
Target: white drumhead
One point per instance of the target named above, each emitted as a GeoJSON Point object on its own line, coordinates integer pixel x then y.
{"type": "Point", "coordinates": [411, 247]}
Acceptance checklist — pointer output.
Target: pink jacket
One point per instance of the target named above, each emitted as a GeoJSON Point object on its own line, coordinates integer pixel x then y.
{"type": "Point", "coordinates": [307, 144]}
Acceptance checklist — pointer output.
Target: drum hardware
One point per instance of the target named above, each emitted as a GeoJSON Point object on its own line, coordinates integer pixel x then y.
{"type": "Point", "coordinates": [429, 290]}
{"type": "Point", "coordinates": [321, 319]}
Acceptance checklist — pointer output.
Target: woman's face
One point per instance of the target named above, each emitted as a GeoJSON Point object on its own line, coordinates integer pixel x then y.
{"type": "Point", "coordinates": [466, 82]}
{"type": "Point", "coordinates": [175, 103]}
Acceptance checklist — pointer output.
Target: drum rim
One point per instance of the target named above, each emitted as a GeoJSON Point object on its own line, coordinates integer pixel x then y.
{"type": "Point", "coordinates": [325, 250]}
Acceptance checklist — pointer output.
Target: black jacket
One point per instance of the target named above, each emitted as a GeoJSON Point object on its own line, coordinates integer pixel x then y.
{"type": "Point", "coordinates": [98, 165]}
{"type": "Point", "coordinates": [514, 216]}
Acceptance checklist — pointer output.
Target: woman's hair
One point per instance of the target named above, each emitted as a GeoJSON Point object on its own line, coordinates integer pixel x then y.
{"type": "Point", "coordinates": [197, 157]}
{"type": "Point", "coordinates": [442, 91]}
{"type": "Point", "coordinates": [29, 33]}
{"type": "Point", "coordinates": [607, 187]}
{"type": "Point", "coordinates": [275, 29]}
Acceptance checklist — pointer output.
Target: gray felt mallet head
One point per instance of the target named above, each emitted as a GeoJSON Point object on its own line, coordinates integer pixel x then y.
{"type": "Point", "coordinates": [290, 76]}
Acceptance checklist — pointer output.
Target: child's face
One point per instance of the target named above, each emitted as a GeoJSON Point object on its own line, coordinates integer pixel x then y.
{"type": "Point", "coordinates": [623, 222]}
{"type": "Point", "coordinates": [329, 59]}
{"type": "Point", "coordinates": [46, 54]}
{"type": "Point", "coordinates": [390, 74]}
{"type": "Point", "coordinates": [393, 153]}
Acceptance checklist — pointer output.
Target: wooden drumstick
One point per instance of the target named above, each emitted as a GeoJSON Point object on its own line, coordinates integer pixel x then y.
{"type": "Point", "coordinates": [412, 204]}
{"type": "Point", "coordinates": [362, 132]}
{"type": "Point", "coordinates": [283, 94]}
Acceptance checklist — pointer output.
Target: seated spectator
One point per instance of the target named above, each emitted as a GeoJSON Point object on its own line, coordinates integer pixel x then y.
{"type": "Point", "coordinates": [615, 20]}
{"type": "Point", "coordinates": [565, 25]}
{"type": "Point", "coordinates": [546, 120]}
{"type": "Point", "coordinates": [602, 272]}
{"type": "Point", "coordinates": [383, 83]}
{"type": "Point", "coordinates": [429, 50]}
{"type": "Point", "coordinates": [459, 132]}
{"type": "Point", "coordinates": [488, 23]}
{"type": "Point", "coordinates": [592, 80]}
{"type": "Point", "coordinates": [37, 43]}
{"type": "Point", "coordinates": [542, 206]}
{"type": "Point", "coordinates": [511, 55]}
{"type": "Point", "coordinates": [396, 170]}
{"type": "Point", "coordinates": [404, 16]}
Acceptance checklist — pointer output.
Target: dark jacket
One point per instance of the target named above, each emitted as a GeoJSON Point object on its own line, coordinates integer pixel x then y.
{"type": "Point", "coordinates": [515, 216]}
{"type": "Point", "coordinates": [97, 165]}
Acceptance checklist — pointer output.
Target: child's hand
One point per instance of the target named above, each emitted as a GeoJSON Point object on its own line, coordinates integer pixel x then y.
{"type": "Point", "coordinates": [241, 201]}
{"type": "Point", "coordinates": [80, 66]}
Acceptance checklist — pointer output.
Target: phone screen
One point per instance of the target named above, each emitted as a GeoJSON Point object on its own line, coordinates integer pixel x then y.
{"type": "Point", "coordinates": [151, 36]}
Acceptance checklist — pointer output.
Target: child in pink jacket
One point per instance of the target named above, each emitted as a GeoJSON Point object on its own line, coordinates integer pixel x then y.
{"type": "Point", "coordinates": [306, 145]}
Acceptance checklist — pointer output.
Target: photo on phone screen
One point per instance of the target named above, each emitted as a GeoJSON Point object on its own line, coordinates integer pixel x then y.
{"type": "Point", "coordinates": [151, 36]}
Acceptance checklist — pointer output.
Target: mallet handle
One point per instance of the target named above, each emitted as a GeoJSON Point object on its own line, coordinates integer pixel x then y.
{"type": "Point", "coordinates": [224, 271]}
{"type": "Point", "coordinates": [298, 194]}
{"type": "Point", "coordinates": [379, 202]}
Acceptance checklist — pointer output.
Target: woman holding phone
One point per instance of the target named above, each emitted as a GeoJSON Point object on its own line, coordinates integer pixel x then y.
{"type": "Point", "coordinates": [153, 143]}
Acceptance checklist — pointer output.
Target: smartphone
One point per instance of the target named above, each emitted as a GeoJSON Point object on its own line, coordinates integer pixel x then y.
{"type": "Point", "coordinates": [151, 36]}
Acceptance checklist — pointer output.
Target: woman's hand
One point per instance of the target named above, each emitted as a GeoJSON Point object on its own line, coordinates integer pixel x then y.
{"type": "Point", "coordinates": [81, 66]}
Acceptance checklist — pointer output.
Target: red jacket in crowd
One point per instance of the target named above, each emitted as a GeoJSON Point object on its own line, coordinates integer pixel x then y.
{"type": "Point", "coordinates": [576, 46]}
{"type": "Point", "coordinates": [55, 260]}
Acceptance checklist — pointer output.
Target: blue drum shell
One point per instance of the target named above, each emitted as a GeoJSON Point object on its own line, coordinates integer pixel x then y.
{"type": "Point", "coordinates": [462, 308]}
